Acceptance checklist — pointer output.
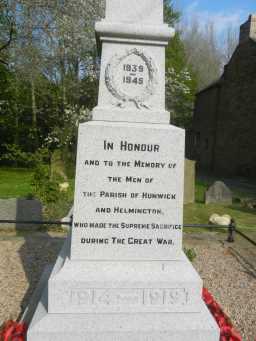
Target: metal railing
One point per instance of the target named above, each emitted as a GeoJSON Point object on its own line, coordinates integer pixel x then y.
{"type": "Point", "coordinates": [231, 228]}
{"type": "Point", "coordinates": [36, 222]}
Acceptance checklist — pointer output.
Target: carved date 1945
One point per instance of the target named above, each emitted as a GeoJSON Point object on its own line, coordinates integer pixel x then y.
{"type": "Point", "coordinates": [133, 77]}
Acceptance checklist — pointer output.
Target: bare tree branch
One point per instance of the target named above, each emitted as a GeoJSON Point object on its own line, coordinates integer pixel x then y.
{"type": "Point", "coordinates": [9, 40]}
{"type": "Point", "coordinates": [3, 62]}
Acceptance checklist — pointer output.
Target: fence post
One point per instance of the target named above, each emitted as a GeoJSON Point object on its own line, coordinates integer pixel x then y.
{"type": "Point", "coordinates": [231, 231]}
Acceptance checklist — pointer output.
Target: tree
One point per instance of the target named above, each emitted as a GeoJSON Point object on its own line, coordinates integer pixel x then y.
{"type": "Point", "coordinates": [180, 80]}
{"type": "Point", "coordinates": [230, 43]}
{"type": "Point", "coordinates": [171, 17]}
{"type": "Point", "coordinates": [6, 31]}
{"type": "Point", "coordinates": [202, 52]}
{"type": "Point", "coordinates": [52, 66]}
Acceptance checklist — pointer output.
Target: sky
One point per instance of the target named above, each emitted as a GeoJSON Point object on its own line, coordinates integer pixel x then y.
{"type": "Point", "coordinates": [223, 13]}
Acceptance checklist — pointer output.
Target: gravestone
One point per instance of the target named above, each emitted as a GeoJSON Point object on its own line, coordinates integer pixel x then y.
{"type": "Point", "coordinates": [189, 181]}
{"type": "Point", "coordinates": [121, 274]}
{"type": "Point", "coordinates": [218, 193]}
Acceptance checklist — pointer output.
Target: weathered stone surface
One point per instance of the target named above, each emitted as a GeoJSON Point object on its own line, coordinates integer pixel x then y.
{"type": "Point", "coordinates": [189, 181]}
{"type": "Point", "coordinates": [129, 192]}
{"type": "Point", "coordinates": [146, 12]}
{"type": "Point", "coordinates": [248, 30]}
{"type": "Point", "coordinates": [132, 78]}
{"type": "Point", "coordinates": [125, 95]}
{"type": "Point", "coordinates": [20, 209]}
{"type": "Point", "coordinates": [122, 327]}
{"type": "Point", "coordinates": [125, 287]}
{"type": "Point", "coordinates": [218, 193]}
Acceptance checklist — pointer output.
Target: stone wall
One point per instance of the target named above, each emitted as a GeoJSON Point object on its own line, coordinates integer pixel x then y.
{"type": "Point", "coordinates": [20, 209]}
{"type": "Point", "coordinates": [224, 125]}
{"type": "Point", "coordinates": [235, 151]}
{"type": "Point", "coordinates": [248, 29]}
{"type": "Point", "coordinates": [205, 126]}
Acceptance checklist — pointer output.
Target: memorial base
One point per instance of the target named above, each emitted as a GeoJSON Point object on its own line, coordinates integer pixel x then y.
{"type": "Point", "coordinates": [125, 310]}
{"type": "Point", "coordinates": [122, 327]}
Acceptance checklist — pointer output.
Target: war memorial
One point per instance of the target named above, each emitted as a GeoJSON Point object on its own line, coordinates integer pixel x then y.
{"type": "Point", "coordinates": [122, 273]}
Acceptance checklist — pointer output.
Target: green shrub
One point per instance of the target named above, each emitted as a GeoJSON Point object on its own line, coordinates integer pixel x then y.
{"type": "Point", "coordinates": [45, 189]}
{"type": "Point", "coordinates": [14, 155]}
{"type": "Point", "coordinates": [30, 196]}
{"type": "Point", "coordinates": [190, 253]}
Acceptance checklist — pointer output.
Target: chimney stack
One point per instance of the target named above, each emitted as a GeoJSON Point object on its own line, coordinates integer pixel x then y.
{"type": "Point", "coordinates": [248, 29]}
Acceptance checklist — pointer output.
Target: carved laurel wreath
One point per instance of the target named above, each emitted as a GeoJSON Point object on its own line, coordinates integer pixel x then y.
{"type": "Point", "coordinates": [110, 79]}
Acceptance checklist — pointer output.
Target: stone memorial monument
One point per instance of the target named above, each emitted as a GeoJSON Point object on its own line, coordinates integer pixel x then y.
{"type": "Point", "coordinates": [218, 193]}
{"type": "Point", "coordinates": [121, 274]}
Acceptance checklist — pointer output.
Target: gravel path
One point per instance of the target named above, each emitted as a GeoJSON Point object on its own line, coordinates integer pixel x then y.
{"type": "Point", "coordinates": [229, 272]}
{"type": "Point", "coordinates": [22, 261]}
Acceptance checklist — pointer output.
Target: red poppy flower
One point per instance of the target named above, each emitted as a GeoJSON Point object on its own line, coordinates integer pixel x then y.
{"type": "Point", "coordinates": [13, 331]}
{"type": "Point", "coordinates": [227, 331]}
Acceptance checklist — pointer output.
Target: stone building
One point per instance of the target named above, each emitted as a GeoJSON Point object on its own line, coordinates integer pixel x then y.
{"type": "Point", "coordinates": [223, 137]}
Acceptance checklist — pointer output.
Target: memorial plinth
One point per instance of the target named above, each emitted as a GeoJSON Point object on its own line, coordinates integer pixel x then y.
{"type": "Point", "coordinates": [122, 274]}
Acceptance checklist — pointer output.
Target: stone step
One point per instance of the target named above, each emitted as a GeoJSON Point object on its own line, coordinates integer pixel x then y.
{"type": "Point", "coordinates": [96, 287]}
{"type": "Point", "coordinates": [122, 327]}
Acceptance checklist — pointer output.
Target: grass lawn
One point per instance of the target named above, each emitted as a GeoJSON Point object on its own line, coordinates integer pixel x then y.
{"type": "Point", "coordinates": [15, 182]}
{"type": "Point", "coordinates": [199, 213]}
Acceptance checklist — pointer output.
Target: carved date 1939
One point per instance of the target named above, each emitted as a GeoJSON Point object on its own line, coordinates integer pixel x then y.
{"type": "Point", "coordinates": [133, 77]}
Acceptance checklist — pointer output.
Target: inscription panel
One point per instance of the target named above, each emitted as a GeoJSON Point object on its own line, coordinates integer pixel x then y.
{"type": "Point", "coordinates": [134, 299]}
{"type": "Point", "coordinates": [132, 77]}
{"type": "Point", "coordinates": [129, 193]}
